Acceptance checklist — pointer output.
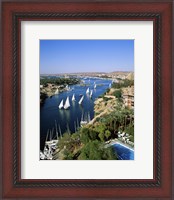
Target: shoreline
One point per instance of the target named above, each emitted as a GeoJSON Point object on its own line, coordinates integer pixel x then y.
{"type": "Point", "coordinates": [116, 141]}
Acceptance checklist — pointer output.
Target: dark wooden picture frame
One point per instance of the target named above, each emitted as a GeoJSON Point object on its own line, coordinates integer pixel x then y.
{"type": "Point", "coordinates": [161, 185]}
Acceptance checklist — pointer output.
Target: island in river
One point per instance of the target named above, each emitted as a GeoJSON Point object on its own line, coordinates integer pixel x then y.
{"type": "Point", "coordinates": [54, 85]}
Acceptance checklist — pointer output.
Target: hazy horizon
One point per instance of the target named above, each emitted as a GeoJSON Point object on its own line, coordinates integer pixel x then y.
{"type": "Point", "coordinates": [87, 72]}
{"type": "Point", "coordinates": [86, 56]}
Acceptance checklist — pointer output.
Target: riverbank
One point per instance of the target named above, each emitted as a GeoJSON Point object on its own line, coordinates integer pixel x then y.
{"type": "Point", "coordinates": [116, 141]}
{"type": "Point", "coordinates": [106, 110]}
{"type": "Point", "coordinates": [52, 86]}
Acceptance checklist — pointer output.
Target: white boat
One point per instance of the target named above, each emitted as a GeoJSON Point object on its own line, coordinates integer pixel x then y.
{"type": "Point", "coordinates": [61, 104]}
{"type": "Point", "coordinates": [87, 91]}
{"type": "Point", "coordinates": [91, 93]}
{"type": "Point", "coordinates": [95, 86]}
{"type": "Point", "coordinates": [68, 88]}
{"type": "Point", "coordinates": [89, 118]}
{"type": "Point", "coordinates": [57, 91]}
{"type": "Point", "coordinates": [67, 104]}
{"type": "Point", "coordinates": [42, 156]}
{"type": "Point", "coordinates": [73, 97]}
{"type": "Point", "coordinates": [80, 102]}
{"type": "Point", "coordinates": [85, 119]}
{"type": "Point", "coordinates": [83, 122]}
{"type": "Point", "coordinates": [50, 145]}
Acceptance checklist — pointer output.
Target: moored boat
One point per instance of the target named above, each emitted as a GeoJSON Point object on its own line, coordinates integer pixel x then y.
{"type": "Point", "coordinates": [81, 100]}
{"type": "Point", "coordinates": [67, 104]}
{"type": "Point", "coordinates": [73, 97]}
{"type": "Point", "coordinates": [61, 104]}
{"type": "Point", "coordinates": [87, 91]}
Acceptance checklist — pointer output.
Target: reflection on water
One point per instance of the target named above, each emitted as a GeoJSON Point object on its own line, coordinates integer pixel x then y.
{"type": "Point", "coordinates": [70, 118]}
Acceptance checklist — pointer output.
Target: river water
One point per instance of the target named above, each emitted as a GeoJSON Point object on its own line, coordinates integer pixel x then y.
{"type": "Point", "coordinates": [69, 119]}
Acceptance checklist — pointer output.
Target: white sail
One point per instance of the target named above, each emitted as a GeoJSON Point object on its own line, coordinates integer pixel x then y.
{"type": "Point", "coordinates": [87, 91]}
{"type": "Point", "coordinates": [91, 93]}
{"type": "Point", "coordinates": [95, 86]}
{"type": "Point", "coordinates": [81, 99]}
{"type": "Point", "coordinates": [73, 97]}
{"type": "Point", "coordinates": [67, 104]}
{"type": "Point", "coordinates": [89, 118]}
{"type": "Point", "coordinates": [61, 104]}
{"type": "Point", "coordinates": [57, 91]}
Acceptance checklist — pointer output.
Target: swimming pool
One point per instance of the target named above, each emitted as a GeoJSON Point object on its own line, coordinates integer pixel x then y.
{"type": "Point", "coordinates": [123, 152]}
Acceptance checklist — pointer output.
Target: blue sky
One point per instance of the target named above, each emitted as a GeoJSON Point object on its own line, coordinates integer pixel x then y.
{"type": "Point", "coordinates": [68, 56]}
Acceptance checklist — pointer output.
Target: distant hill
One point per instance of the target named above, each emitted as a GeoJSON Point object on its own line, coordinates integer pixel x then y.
{"type": "Point", "coordinates": [130, 76]}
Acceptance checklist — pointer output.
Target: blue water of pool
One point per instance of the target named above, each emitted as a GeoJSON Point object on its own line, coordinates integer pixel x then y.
{"type": "Point", "coordinates": [123, 152]}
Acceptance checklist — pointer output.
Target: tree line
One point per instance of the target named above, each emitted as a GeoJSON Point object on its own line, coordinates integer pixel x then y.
{"type": "Point", "coordinates": [59, 81]}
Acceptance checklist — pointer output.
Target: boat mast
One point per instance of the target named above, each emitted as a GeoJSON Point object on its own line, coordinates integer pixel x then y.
{"type": "Point", "coordinates": [60, 131]}
{"type": "Point", "coordinates": [87, 91]}
{"type": "Point", "coordinates": [75, 126]}
{"type": "Point", "coordinates": [68, 130]}
{"type": "Point", "coordinates": [47, 135]}
{"type": "Point", "coordinates": [56, 129]}
{"type": "Point", "coordinates": [67, 104]}
{"type": "Point", "coordinates": [91, 93]}
{"type": "Point", "coordinates": [73, 97]}
{"type": "Point", "coordinates": [81, 100]}
{"type": "Point", "coordinates": [61, 104]}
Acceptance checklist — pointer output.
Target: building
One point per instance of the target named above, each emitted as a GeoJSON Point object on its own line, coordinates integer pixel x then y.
{"type": "Point", "coordinates": [128, 100]}
{"type": "Point", "coordinates": [128, 97]}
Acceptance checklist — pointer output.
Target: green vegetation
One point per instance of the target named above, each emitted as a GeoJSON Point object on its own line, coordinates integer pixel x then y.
{"type": "Point", "coordinates": [50, 85]}
{"type": "Point", "coordinates": [104, 76]}
{"type": "Point", "coordinates": [121, 119]}
{"type": "Point", "coordinates": [106, 98]}
{"type": "Point", "coordinates": [95, 150]}
{"type": "Point", "coordinates": [123, 83]}
{"type": "Point", "coordinates": [117, 93]}
{"type": "Point", "coordinates": [43, 96]}
{"type": "Point", "coordinates": [89, 142]}
{"type": "Point", "coordinates": [59, 81]}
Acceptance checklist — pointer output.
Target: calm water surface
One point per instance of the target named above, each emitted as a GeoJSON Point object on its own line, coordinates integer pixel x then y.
{"type": "Point", "coordinates": [49, 111]}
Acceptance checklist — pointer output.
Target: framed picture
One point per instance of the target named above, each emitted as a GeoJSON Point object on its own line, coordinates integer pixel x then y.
{"type": "Point", "coordinates": [87, 100]}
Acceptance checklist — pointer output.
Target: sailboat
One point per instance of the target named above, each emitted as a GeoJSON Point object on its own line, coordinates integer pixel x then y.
{"type": "Point", "coordinates": [73, 97]}
{"type": "Point", "coordinates": [85, 119]}
{"type": "Point", "coordinates": [89, 118]}
{"type": "Point", "coordinates": [61, 104]}
{"type": "Point", "coordinates": [68, 88]}
{"type": "Point", "coordinates": [57, 91]}
{"type": "Point", "coordinates": [67, 104]}
{"type": "Point", "coordinates": [45, 151]}
{"type": "Point", "coordinates": [95, 86]}
{"type": "Point", "coordinates": [42, 156]}
{"type": "Point", "coordinates": [80, 102]}
{"type": "Point", "coordinates": [87, 91]}
{"type": "Point", "coordinates": [91, 94]}
{"type": "Point", "coordinates": [60, 132]}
